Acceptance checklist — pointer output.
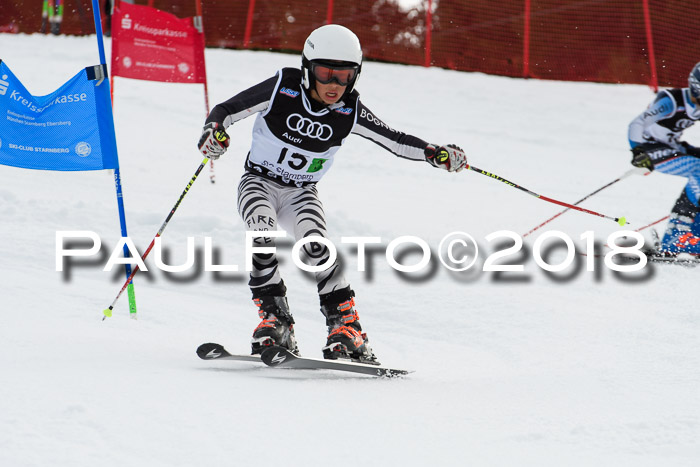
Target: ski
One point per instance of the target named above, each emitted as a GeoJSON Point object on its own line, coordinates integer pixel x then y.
{"type": "Point", "coordinates": [654, 257]}
{"type": "Point", "coordinates": [211, 351]}
{"type": "Point", "coordinates": [657, 256]}
{"type": "Point", "coordinates": [283, 358]}
{"type": "Point", "coordinates": [687, 260]}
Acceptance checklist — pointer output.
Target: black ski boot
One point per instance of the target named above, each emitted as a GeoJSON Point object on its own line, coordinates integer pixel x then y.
{"type": "Point", "coordinates": [345, 337]}
{"type": "Point", "coordinates": [277, 325]}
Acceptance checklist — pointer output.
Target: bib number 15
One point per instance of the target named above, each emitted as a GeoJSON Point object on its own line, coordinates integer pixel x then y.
{"type": "Point", "coordinates": [298, 161]}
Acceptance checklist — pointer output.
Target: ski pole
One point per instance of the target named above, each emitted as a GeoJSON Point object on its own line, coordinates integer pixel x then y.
{"type": "Point", "coordinates": [640, 229]}
{"type": "Point", "coordinates": [636, 170]}
{"type": "Point", "coordinates": [108, 311]}
{"type": "Point", "coordinates": [653, 223]}
{"type": "Point", "coordinates": [619, 220]}
{"type": "Point", "coordinates": [44, 17]}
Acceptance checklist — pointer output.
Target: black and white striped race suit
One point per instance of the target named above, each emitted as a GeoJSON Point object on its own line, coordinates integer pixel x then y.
{"type": "Point", "coordinates": [295, 140]}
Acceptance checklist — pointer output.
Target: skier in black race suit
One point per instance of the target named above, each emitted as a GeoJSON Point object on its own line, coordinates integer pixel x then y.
{"type": "Point", "coordinates": [303, 117]}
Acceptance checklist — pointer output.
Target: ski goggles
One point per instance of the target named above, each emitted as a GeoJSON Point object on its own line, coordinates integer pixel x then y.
{"type": "Point", "coordinates": [694, 86]}
{"type": "Point", "coordinates": [326, 74]}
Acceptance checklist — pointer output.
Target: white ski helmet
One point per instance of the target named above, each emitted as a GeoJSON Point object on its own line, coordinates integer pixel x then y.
{"type": "Point", "coordinates": [331, 43]}
{"type": "Point", "coordinates": [694, 81]}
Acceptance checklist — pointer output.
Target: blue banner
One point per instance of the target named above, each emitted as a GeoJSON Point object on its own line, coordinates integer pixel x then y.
{"type": "Point", "coordinates": [69, 129]}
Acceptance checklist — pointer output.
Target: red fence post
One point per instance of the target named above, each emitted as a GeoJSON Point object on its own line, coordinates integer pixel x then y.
{"type": "Point", "coordinates": [526, 41]}
{"type": "Point", "coordinates": [650, 45]}
{"type": "Point", "coordinates": [428, 32]}
{"type": "Point", "coordinates": [248, 24]}
{"type": "Point", "coordinates": [329, 12]}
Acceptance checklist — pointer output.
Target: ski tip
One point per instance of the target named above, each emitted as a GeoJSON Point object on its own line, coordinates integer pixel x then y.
{"type": "Point", "coordinates": [396, 373]}
{"type": "Point", "coordinates": [211, 351]}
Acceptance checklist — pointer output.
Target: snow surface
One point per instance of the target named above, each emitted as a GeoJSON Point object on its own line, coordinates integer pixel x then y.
{"type": "Point", "coordinates": [579, 369]}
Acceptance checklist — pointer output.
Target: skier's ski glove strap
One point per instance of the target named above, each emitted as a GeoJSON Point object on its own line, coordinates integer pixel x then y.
{"type": "Point", "coordinates": [449, 157]}
{"type": "Point", "coordinates": [214, 140]}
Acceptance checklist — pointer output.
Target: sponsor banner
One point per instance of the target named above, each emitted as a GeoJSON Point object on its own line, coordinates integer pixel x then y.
{"type": "Point", "coordinates": [153, 45]}
{"type": "Point", "coordinates": [69, 129]}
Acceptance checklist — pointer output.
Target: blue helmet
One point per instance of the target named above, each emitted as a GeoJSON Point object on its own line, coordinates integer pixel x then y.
{"type": "Point", "coordinates": [694, 82]}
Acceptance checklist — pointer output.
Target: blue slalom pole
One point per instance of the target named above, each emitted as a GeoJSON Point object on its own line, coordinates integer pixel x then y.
{"type": "Point", "coordinates": [117, 174]}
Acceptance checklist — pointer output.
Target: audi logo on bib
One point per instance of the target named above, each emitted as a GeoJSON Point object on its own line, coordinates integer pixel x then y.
{"type": "Point", "coordinates": [307, 127]}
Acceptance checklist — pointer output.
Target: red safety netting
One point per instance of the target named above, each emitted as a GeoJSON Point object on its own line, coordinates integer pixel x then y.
{"type": "Point", "coordinates": [589, 40]}
{"type": "Point", "coordinates": [675, 25]}
{"type": "Point", "coordinates": [479, 36]}
{"type": "Point", "coordinates": [615, 41]}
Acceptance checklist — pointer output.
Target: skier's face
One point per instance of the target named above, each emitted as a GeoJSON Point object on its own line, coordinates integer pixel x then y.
{"type": "Point", "coordinates": [328, 93]}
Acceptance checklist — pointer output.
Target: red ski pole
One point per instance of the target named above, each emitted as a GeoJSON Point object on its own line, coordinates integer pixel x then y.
{"type": "Point", "coordinates": [625, 175]}
{"type": "Point", "coordinates": [620, 220]}
{"type": "Point", "coordinates": [108, 311]}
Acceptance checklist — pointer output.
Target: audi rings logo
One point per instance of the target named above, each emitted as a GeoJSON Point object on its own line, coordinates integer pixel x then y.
{"type": "Point", "coordinates": [307, 127]}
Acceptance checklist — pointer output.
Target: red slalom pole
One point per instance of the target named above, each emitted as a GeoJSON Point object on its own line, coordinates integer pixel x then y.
{"type": "Point", "coordinates": [526, 41]}
{"type": "Point", "coordinates": [248, 24]}
{"type": "Point", "coordinates": [620, 220]}
{"type": "Point", "coordinates": [650, 44]}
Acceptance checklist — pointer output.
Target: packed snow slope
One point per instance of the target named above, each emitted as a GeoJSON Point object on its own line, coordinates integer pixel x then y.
{"type": "Point", "coordinates": [574, 368]}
